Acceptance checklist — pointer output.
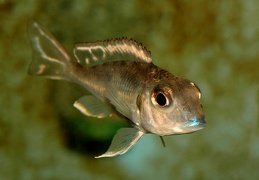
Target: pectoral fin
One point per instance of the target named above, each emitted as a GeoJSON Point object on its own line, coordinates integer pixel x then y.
{"type": "Point", "coordinates": [91, 106]}
{"type": "Point", "coordinates": [123, 140]}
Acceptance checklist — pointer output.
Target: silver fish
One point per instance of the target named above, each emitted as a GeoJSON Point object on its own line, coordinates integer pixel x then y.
{"type": "Point", "coordinates": [123, 81]}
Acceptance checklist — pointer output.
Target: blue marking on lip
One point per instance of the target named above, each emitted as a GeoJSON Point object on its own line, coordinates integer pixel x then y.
{"type": "Point", "coordinates": [195, 122]}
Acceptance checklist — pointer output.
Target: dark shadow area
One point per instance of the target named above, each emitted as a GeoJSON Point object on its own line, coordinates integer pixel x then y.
{"type": "Point", "coordinates": [88, 137]}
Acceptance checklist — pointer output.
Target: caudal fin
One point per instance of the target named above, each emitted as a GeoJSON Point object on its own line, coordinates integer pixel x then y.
{"type": "Point", "coordinates": [49, 58]}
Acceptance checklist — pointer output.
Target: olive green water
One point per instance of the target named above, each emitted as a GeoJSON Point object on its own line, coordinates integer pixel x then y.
{"type": "Point", "coordinates": [213, 43]}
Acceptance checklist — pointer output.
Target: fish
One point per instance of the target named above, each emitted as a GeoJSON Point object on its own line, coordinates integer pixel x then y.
{"type": "Point", "coordinates": [122, 80]}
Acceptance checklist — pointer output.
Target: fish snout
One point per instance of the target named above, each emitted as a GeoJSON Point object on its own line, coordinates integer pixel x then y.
{"type": "Point", "coordinates": [195, 123]}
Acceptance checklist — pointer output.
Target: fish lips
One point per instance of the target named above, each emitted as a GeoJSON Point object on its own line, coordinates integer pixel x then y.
{"type": "Point", "coordinates": [194, 124]}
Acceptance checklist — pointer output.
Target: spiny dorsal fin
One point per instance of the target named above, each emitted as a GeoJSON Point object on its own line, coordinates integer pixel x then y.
{"type": "Point", "coordinates": [99, 52]}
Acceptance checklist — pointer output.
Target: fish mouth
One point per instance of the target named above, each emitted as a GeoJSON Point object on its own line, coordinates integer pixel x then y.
{"type": "Point", "coordinates": [194, 124]}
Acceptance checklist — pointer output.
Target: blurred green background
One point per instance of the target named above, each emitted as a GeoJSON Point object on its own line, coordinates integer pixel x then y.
{"type": "Point", "coordinates": [213, 43]}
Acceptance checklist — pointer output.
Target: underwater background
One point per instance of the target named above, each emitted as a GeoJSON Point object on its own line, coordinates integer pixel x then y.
{"type": "Point", "coordinates": [213, 43]}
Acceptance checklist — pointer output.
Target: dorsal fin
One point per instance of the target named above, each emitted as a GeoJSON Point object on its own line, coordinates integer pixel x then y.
{"type": "Point", "coordinates": [99, 52]}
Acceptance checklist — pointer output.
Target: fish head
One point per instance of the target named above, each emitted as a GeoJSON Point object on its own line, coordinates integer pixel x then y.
{"type": "Point", "coordinates": [172, 106]}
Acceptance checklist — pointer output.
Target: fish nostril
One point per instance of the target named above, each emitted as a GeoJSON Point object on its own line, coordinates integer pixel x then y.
{"type": "Point", "coordinates": [202, 118]}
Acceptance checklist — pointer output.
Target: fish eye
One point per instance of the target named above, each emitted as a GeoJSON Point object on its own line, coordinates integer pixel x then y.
{"type": "Point", "coordinates": [161, 97]}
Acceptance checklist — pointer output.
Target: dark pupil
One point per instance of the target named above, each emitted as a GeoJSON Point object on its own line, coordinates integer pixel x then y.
{"type": "Point", "coordinates": [161, 99]}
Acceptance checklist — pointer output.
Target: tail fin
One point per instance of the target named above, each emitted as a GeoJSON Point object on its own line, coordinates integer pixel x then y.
{"type": "Point", "coordinates": [49, 58]}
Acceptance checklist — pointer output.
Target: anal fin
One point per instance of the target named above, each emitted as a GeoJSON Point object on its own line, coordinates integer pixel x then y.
{"type": "Point", "coordinates": [123, 140]}
{"type": "Point", "coordinates": [89, 105]}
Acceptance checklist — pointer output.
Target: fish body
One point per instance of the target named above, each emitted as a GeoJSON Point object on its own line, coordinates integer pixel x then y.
{"type": "Point", "coordinates": [123, 80]}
